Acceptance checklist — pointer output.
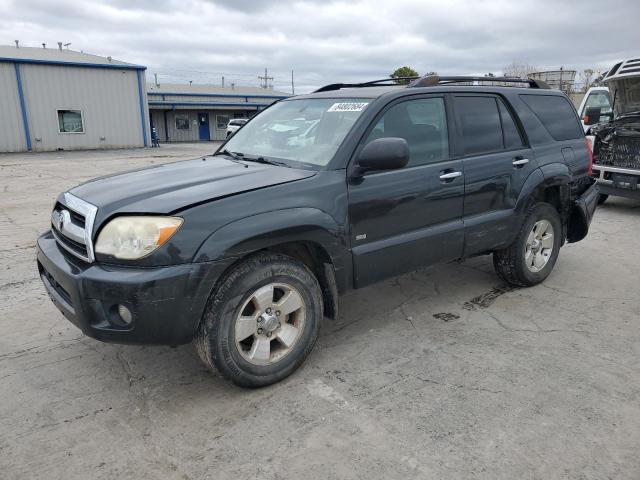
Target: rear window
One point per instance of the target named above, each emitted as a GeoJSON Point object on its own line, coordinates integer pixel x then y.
{"type": "Point", "coordinates": [556, 114]}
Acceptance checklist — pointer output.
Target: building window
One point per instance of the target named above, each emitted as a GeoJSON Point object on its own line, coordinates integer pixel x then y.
{"type": "Point", "coordinates": [182, 122]}
{"type": "Point", "coordinates": [222, 121]}
{"type": "Point", "coordinates": [70, 121]}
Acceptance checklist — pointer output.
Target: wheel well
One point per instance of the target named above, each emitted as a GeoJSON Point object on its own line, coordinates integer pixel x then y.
{"type": "Point", "coordinates": [319, 262]}
{"type": "Point", "coordinates": [552, 196]}
{"type": "Point", "coordinates": [557, 196]}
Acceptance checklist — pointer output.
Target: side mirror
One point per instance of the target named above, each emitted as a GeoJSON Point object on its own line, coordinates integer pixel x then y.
{"type": "Point", "coordinates": [384, 154]}
{"type": "Point", "coordinates": [592, 115]}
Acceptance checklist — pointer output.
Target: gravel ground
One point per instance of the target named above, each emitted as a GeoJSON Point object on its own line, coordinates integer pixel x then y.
{"type": "Point", "coordinates": [441, 373]}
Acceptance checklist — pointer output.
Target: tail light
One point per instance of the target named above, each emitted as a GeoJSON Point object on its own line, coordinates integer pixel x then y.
{"type": "Point", "coordinates": [589, 141]}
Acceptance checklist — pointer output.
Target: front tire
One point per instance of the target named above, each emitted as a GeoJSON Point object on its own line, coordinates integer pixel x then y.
{"type": "Point", "coordinates": [532, 255]}
{"type": "Point", "coordinates": [262, 321]}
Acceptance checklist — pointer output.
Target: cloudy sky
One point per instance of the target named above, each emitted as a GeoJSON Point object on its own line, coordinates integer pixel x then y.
{"type": "Point", "coordinates": [329, 41]}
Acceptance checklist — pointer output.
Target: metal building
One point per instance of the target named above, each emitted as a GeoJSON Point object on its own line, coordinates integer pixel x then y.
{"type": "Point", "coordinates": [53, 98]}
{"type": "Point", "coordinates": [188, 113]}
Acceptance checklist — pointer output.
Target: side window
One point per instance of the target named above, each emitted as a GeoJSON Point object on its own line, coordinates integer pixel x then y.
{"type": "Point", "coordinates": [556, 114]}
{"type": "Point", "coordinates": [512, 137]}
{"type": "Point", "coordinates": [422, 123]}
{"type": "Point", "coordinates": [481, 128]}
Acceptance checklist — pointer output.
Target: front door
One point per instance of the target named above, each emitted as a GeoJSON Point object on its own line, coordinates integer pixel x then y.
{"type": "Point", "coordinates": [497, 162]}
{"type": "Point", "coordinates": [403, 219]}
{"type": "Point", "coordinates": [203, 126]}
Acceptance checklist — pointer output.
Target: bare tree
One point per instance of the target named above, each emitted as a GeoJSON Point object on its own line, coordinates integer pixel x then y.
{"type": "Point", "coordinates": [518, 69]}
{"type": "Point", "coordinates": [587, 78]}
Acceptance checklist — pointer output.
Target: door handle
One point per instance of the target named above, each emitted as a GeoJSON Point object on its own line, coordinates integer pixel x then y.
{"type": "Point", "coordinates": [517, 162]}
{"type": "Point", "coordinates": [450, 175]}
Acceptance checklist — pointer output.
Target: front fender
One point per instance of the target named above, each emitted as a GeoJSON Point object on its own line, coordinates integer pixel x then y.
{"type": "Point", "coordinates": [269, 229]}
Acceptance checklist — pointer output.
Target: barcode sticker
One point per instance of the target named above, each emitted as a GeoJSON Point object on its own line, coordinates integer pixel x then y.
{"type": "Point", "coordinates": [347, 107]}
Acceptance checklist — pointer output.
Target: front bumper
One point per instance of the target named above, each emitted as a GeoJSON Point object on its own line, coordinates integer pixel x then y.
{"type": "Point", "coordinates": [166, 302]}
{"type": "Point", "coordinates": [617, 181]}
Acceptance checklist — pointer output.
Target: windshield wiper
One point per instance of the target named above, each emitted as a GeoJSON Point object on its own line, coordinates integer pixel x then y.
{"type": "Point", "coordinates": [234, 155]}
{"type": "Point", "coordinates": [264, 160]}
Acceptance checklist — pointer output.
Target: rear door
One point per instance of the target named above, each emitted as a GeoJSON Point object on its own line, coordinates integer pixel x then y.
{"type": "Point", "coordinates": [402, 219]}
{"type": "Point", "coordinates": [496, 163]}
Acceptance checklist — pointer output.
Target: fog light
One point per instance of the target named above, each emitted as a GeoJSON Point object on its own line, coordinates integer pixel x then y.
{"type": "Point", "coordinates": [125, 314]}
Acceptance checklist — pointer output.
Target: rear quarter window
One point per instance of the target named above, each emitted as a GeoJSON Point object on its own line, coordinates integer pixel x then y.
{"type": "Point", "coordinates": [556, 115]}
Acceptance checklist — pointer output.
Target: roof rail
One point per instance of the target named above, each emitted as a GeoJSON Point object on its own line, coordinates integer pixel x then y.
{"type": "Point", "coordinates": [433, 80]}
{"type": "Point", "coordinates": [373, 83]}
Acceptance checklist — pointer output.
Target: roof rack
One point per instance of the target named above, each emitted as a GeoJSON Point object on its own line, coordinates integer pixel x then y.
{"type": "Point", "coordinates": [373, 83]}
{"type": "Point", "coordinates": [432, 81]}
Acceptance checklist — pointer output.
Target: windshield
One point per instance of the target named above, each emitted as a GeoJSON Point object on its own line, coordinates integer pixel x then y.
{"type": "Point", "coordinates": [599, 99]}
{"type": "Point", "coordinates": [306, 130]}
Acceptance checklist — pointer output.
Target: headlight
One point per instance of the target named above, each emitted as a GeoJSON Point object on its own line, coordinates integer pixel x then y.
{"type": "Point", "coordinates": [130, 238]}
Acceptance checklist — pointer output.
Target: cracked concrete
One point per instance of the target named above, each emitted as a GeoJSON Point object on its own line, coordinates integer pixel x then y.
{"type": "Point", "coordinates": [440, 373]}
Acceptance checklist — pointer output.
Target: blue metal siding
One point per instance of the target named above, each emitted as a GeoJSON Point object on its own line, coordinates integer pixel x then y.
{"type": "Point", "coordinates": [232, 95]}
{"type": "Point", "coordinates": [143, 117]}
{"type": "Point", "coordinates": [23, 107]}
{"type": "Point", "coordinates": [71, 64]}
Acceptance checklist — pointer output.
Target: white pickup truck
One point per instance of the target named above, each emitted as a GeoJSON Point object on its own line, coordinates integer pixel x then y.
{"type": "Point", "coordinates": [595, 97]}
{"type": "Point", "coordinates": [615, 133]}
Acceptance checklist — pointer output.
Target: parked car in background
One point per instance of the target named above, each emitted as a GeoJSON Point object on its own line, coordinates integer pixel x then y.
{"type": "Point", "coordinates": [234, 125]}
{"type": "Point", "coordinates": [595, 97]}
{"type": "Point", "coordinates": [616, 139]}
{"type": "Point", "coordinates": [246, 251]}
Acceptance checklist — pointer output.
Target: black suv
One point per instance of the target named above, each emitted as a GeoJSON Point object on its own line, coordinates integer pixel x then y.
{"type": "Point", "coordinates": [243, 252]}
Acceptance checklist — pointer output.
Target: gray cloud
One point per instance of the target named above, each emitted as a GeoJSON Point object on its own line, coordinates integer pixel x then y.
{"type": "Point", "coordinates": [325, 42]}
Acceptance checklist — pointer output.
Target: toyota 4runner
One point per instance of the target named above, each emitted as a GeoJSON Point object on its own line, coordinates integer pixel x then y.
{"type": "Point", "coordinates": [243, 252]}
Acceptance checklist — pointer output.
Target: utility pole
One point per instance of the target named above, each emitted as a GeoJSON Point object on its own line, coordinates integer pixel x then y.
{"type": "Point", "coordinates": [293, 88]}
{"type": "Point", "coordinates": [266, 79]}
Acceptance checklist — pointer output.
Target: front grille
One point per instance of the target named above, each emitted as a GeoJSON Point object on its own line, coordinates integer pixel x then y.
{"type": "Point", "coordinates": [76, 247]}
{"type": "Point", "coordinates": [72, 225]}
{"type": "Point", "coordinates": [622, 152]}
{"type": "Point", "coordinates": [78, 218]}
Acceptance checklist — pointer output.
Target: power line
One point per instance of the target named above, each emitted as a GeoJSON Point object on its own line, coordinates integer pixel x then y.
{"type": "Point", "coordinates": [266, 79]}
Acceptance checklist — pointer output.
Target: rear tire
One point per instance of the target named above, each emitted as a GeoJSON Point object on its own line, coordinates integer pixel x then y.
{"type": "Point", "coordinates": [533, 254]}
{"type": "Point", "coordinates": [602, 198]}
{"type": "Point", "coordinates": [262, 321]}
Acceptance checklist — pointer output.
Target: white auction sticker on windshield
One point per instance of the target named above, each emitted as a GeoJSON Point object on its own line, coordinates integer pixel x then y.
{"type": "Point", "coordinates": [347, 107]}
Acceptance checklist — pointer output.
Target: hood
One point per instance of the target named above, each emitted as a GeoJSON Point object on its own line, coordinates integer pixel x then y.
{"type": "Point", "coordinates": [625, 93]}
{"type": "Point", "coordinates": [172, 187]}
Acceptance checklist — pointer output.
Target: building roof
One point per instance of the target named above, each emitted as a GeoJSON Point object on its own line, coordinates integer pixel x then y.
{"type": "Point", "coordinates": [183, 89]}
{"type": "Point", "coordinates": [55, 56]}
